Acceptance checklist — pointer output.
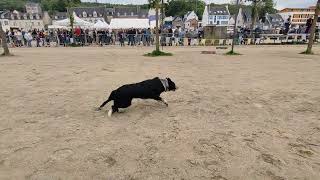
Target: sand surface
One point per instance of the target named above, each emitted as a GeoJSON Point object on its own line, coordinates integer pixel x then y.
{"type": "Point", "coordinates": [249, 117]}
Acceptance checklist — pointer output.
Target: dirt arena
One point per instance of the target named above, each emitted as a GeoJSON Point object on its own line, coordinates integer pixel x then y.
{"type": "Point", "coordinates": [249, 117]}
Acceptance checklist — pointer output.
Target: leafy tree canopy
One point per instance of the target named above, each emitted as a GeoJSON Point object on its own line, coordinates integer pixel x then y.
{"type": "Point", "coordinates": [181, 7]}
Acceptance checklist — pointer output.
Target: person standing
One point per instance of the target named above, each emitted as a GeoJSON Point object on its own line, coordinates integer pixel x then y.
{"type": "Point", "coordinates": [308, 24]}
{"type": "Point", "coordinates": [287, 25]}
{"type": "Point", "coordinates": [28, 37]}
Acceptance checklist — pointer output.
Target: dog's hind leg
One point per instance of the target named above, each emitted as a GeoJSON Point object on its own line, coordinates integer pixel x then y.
{"type": "Point", "coordinates": [113, 110]}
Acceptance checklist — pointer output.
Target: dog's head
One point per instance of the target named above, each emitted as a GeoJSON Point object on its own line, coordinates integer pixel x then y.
{"type": "Point", "coordinates": [172, 85]}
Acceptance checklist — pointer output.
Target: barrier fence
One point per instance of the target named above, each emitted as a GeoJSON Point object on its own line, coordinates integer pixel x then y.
{"type": "Point", "coordinates": [166, 39]}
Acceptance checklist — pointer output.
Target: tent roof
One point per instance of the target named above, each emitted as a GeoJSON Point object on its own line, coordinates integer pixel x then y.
{"type": "Point", "coordinates": [101, 25]}
{"type": "Point", "coordinates": [77, 22]}
{"type": "Point", "coordinates": [124, 23]}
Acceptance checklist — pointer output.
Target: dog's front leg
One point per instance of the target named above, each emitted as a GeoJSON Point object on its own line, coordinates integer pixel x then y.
{"type": "Point", "coordinates": [162, 100]}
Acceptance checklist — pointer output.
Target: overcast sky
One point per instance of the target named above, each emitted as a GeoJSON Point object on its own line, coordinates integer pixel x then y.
{"type": "Point", "coordinates": [280, 3]}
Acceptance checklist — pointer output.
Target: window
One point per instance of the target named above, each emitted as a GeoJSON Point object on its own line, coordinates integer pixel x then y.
{"type": "Point", "coordinates": [118, 14]}
{"type": "Point", "coordinates": [84, 14]}
{"type": "Point", "coordinates": [95, 14]}
{"type": "Point", "coordinates": [56, 17]}
{"type": "Point", "coordinates": [131, 13]}
{"type": "Point", "coordinates": [125, 14]}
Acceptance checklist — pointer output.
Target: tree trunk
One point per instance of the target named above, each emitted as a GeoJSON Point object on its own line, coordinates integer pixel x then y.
{"type": "Point", "coordinates": [157, 28]}
{"type": "Point", "coordinates": [313, 28]}
{"type": "Point", "coordinates": [4, 42]}
{"type": "Point", "coordinates": [254, 19]}
{"type": "Point", "coordinates": [235, 29]}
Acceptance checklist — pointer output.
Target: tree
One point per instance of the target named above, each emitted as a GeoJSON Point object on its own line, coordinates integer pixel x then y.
{"type": "Point", "coordinates": [12, 5]}
{"type": "Point", "coordinates": [262, 6]}
{"type": "Point", "coordinates": [156, 5]}
{"type": "Point", "coordinates": [234, 31]}
{"type": "Point", "coordinates": [313, 28]}
{"type": "Point", "coordinates": [268, 6]}
{"type": "Point", "coordinates": [181, 7]}
{"type": "Point", "coordinates": [4, 42]}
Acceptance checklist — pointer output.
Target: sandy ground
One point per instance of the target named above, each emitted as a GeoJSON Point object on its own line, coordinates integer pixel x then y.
{"type": "Point", "coordinates": [250, 117]}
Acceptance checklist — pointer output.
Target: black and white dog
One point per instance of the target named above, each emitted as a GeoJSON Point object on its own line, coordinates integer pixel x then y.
{"type": "Point", "coordinates": [148, 89]}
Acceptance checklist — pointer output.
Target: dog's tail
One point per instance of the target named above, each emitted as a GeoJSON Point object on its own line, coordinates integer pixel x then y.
{"type": "Point", "coordinates": [107, 101]}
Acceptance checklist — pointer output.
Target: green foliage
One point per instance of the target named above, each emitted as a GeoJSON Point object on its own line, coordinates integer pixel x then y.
{"type": "Point", "coordinates": [181, 7]}
{"type": "Point", "coordinates": [12, 5]}
{"type": "Point", "coordinates": [71, 17]}
{"type": "Point", "coordinates": [158, 53]}
{"type": "Point", "coordinates": [261, 7]}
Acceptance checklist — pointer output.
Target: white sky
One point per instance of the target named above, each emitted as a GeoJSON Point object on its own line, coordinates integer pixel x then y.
{"type": "Point", "coordinates": [280, 3]}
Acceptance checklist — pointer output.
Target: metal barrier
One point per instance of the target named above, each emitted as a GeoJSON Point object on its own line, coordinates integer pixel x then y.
{"type": "Point", "coordinates": [166, 39]}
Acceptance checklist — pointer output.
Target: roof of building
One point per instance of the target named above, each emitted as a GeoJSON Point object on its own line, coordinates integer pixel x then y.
{"type": "Point", "coordinates": [15, 15]}
{"type": "Point", "coordinates": [125, 12]}
{"type": "Point", "coordinates": [101, 11]}
{"type": "Point", "coordinates": [218, 10]}
{"type": "Point", "coordinates": [59, 15]}
{"type": "Point", "coordinates": [177, 18]}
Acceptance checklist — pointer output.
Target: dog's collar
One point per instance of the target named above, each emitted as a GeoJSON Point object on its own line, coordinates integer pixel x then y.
{"type": "Point", "coordinates": [165, 84]}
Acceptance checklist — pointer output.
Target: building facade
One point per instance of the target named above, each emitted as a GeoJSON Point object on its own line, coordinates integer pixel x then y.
{"type": "Point", "coordinates": [299, 16]}
{"type": "Point", "coordinates": [5, 24]}
{"type": "Point", "coordinates": [190, 15]}
{"type": "Point", "coordinates": [24, 21]}
{"type": "Point", "coordinates": [191, 24]}
{"type": "Point", "coordinates": [216, 16]}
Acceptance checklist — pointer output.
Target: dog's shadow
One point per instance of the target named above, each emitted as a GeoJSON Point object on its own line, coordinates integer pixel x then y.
{"type": "Point", "coordinates": [142, 108]}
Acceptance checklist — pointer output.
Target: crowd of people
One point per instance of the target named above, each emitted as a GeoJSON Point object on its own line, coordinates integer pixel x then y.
{"type": "Point", "coordinates": [130, 37]}
{"type": "Point", "coordinates": [85, 37]}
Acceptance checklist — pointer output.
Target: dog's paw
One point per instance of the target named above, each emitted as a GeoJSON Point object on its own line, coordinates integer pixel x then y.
{"type": "Point", "coordinates": [165, 102]}
{"type": "Point", "coordinates": [97, 109]}
{"type": "Point", "coordinates": [110, 113]}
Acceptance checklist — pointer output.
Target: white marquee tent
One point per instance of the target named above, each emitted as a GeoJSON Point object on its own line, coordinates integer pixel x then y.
{"type": "Point", "coordinates": [101, 25]}
{"type": "Point", "coordinates": [77, 22]}
{"type": "Point", "coordinates": [125, 23]}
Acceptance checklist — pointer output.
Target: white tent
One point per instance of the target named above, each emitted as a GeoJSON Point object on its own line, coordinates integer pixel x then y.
{"type": "Point", "coordinates": [101, 25]}
{"type": "Point", "coordinates": [124, 23]}
{"type": "Point", "coordinates": [77, 22]}
{"type": "Point", "coordinates": [57, 27]}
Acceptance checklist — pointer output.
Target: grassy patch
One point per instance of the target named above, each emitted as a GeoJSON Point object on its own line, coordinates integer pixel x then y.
{"type": "Point", "coordinates": [3, 55]}
{"type": "Point", "coordinates": [158, 53]}
{"type": "Point", "coordinates": [307, 53]}
{"type": "Point", "coordinates": [232, 53]}
{"type": "Point", "coordinates": [74, 45]}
